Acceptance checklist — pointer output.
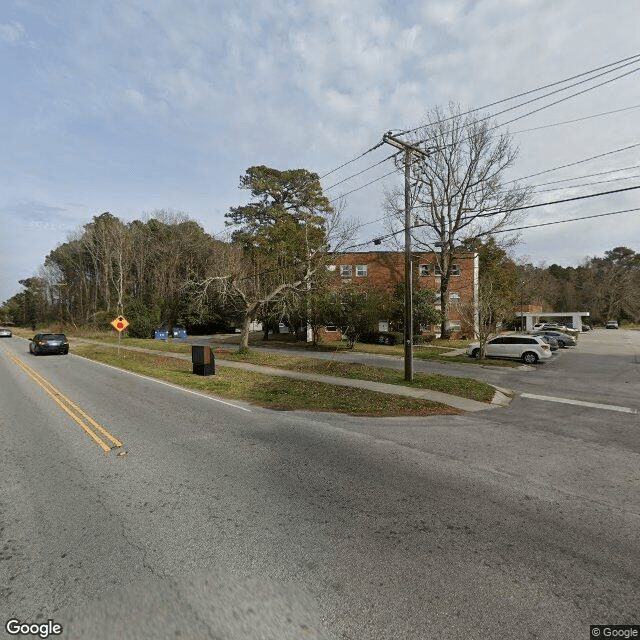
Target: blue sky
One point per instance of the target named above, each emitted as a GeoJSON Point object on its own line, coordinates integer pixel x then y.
{"type": "Point", "coordinates": [131, 106]}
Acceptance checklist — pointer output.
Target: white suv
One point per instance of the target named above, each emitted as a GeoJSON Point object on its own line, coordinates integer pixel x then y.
{"type": "Point", "coordinates": [529, 349]}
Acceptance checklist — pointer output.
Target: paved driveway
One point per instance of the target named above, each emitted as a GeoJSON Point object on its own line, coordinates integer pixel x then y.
{"type": "Point", "coordinates": [604, 368]}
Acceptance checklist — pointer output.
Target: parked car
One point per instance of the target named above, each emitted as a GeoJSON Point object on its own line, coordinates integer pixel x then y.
{"type": "Point", "coordinates": [49, 343]}
{"type": "Point", "coordinates": [553, 326]}
{"type": "Point", "coordinates": [612, 324]}
{"type": "Point", "coordinates": [5, 333]}
{"type": "Point", "coordinates": [551, 341]}
{"type": "Point", "coordinates": [586, 327]}
{"type": "Point", "coordinates": [528, 348]}
{"type": "Point", "coordinates": [564, 339]}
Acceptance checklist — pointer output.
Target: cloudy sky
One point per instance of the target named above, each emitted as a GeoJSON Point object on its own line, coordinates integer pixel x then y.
{"type": "Point", "coordinates": [131, 106]}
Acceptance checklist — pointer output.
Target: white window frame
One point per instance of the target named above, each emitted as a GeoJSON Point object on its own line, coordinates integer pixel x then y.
{"type": "Point", "coordinates": [362, 270]}
{"type": "Point", "coordinates": [454, 296]}
{"type": "Point", "coordinates": [346, 270]}
{"type": "Point", "coordinates": [455, 270]}
{"type": "Point", "coordinates": [423, 270]}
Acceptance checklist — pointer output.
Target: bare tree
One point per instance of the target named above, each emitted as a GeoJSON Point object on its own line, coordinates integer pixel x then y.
{"type": "Point", "coordinates": [457, 188]}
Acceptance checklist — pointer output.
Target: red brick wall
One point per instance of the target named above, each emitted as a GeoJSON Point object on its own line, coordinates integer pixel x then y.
{"type": "Point", "coordinates": [386, 268]}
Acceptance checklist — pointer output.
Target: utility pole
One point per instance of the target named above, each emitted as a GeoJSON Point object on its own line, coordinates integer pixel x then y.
{"type": "Point", "coordinates": [408, 266]}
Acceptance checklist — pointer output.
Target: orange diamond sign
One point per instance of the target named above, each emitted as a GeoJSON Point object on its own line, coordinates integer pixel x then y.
{"type": "Point", "coordinates": [120, 323]}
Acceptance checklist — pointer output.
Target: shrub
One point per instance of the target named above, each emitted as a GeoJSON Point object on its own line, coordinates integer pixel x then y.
{"type": "Point", "coordinates": [142, 319]}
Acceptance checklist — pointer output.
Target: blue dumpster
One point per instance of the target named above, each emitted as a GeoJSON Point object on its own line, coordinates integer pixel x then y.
{"type": "Point", "coordinates": [179, 332]}
{"type": "Point", "coordinates": [161, 334]}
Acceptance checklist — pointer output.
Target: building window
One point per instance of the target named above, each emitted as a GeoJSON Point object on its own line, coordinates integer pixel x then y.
{"type": "Point", "coordinates": [330, 328]}
{"type": "Point", "coordinates": [454, 296]}
{"type": "Point", "coordinates": [424, 270]}
{"type": "Point", "coordinates": [331, 267]}
{"type": "Point", "coordinates": [346, 270]}
{"type": "Point", "coordinates": [455, 270]}
{"type": "Point", "coordinates": [454, 326]}
{"type": "Point", "coordinates": [362, 270]}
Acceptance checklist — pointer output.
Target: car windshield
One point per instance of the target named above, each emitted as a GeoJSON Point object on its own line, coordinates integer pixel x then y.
{"type": "Point", "coordinates": [52, 336]}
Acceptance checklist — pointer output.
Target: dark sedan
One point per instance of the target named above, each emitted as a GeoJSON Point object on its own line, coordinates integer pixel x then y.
{"type": "Point", "coordinates": [49, 343]}
{"type": "Point", "coordinates": [551, 341]}
{"type": "Point", "coordinates": [563, 339]}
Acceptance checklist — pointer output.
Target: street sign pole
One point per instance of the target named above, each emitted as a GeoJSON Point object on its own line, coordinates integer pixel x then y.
{"type": "Point", "coordinates": [119, 324]}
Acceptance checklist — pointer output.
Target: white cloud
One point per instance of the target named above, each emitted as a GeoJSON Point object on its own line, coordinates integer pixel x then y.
{"type": "Point", "coordinates": [165, 103]}
{"type": "Point", "coordinates": [12, 33]}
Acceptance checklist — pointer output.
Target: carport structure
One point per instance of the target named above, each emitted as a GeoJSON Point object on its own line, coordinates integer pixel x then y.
{"type": "Point", "coordinates": [532, 317]}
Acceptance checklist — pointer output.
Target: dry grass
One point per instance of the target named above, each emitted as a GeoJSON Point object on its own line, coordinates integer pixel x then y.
{"type": "Point", "coordinates": [274, 392]}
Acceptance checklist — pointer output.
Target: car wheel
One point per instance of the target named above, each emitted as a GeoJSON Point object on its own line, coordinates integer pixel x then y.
{"type": "Point", "coordinates": [529, 357]}
{"type": "Point", "coordinates": [475, 353]}
{"type": "Point", "coordinates": [35, 351]}
{"type": "Point", "coordinates": [562, 344]}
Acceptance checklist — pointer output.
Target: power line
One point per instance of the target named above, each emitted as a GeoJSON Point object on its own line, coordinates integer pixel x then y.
{"type": "Point", "coordinates": [501, 125]}
{"type": "Point", "coordinates": [625, 60]}
{"type": "Point", "coordinates": [386, 175]}
{"type": "Point", "coordinates": [486, 233]}
{"type": "Point", "coordinates": [590, 117]}
{"type": "Point", "coordinates": [555, 124]}
{"type": "Point", "coordinates": [622, 63]}
{"type": "Point", "coordinates": [380, 239]}
{"type": "Point", "coordinates": [588, 184]}
{"type": "Point", "coordinates": [344, 164]}
{"type": "Point", "coordinates": [633, 58]}
{"type": "Point", "coordinates": [573, 95]}
{"type": "Point", "coordinates": [361, 172]}
{"type": "Point", "coordinates": [551, 104]}
{"type": "Point", "coordinates": [573, 164]}
{"type": "Point", "coordinates": [533, 175]}
{"type": "Point", "coordinates": [487, 214]}
{"type": "Point", "coordinates": [546, 224]}
{"type": "Point", "coordinates": [588, 175]}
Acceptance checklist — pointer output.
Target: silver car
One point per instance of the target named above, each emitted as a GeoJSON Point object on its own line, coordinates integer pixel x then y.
{"type": "Point", "coordinates": [5, 333]}
{"type": "Point", "coordinates": [527, 348]}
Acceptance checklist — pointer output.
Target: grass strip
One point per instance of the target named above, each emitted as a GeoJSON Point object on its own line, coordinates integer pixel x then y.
{"type": "Point", "coordinates": [462, 387]}
{"type": "Point", "coordinates": [273, 392]}
{"type": "Point", "coordinates": [457, 386]}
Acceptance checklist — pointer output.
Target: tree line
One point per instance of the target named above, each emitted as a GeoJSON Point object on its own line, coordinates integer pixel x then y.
{"type": "Point", "coordinates": [606, 286]}
{"type": "Point", "coordinates": [166, 270]}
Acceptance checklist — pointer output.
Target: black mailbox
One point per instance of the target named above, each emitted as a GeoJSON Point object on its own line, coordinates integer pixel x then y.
{"type": "Point", "coordinates": [204, 362]}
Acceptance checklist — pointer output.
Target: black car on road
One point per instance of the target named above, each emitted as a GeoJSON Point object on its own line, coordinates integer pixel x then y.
{"type": "Point", "coordinates": [49, 343]}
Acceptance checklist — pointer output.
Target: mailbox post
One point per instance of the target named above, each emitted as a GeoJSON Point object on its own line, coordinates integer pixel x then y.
{"type": "Point", "coordinates": [203, 360]}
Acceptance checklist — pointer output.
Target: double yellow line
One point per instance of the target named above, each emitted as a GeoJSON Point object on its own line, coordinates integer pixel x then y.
{"type": "Point", "coordinates": [87, 423]}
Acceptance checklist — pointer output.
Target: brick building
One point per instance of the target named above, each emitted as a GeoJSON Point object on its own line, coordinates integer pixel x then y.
{"type": "Point", "coordinates": [386, 269]}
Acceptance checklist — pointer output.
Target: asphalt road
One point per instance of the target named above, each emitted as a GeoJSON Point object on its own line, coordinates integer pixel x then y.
{"type": "Point", "coordinates": [223, 520]}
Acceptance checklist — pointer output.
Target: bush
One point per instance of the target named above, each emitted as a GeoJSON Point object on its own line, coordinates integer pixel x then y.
{"type": "Point", "coordinates": [142, 320]}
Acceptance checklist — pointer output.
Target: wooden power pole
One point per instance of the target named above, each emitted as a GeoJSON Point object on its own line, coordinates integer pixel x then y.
{"type": "Point", "coordinates": [408, 266]}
